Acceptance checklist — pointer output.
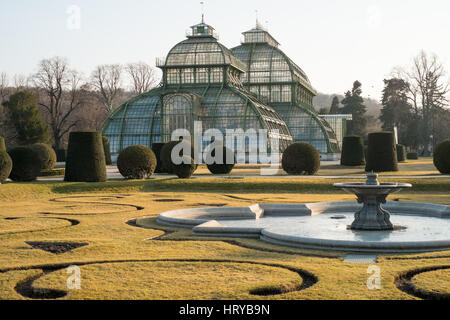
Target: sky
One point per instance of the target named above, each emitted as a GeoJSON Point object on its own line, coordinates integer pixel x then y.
{"type": "Point", "coordinates": [334, 42]}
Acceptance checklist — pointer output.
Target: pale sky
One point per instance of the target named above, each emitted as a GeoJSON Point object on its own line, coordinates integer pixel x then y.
{"type": "Point", "coordinates": [334, 42]}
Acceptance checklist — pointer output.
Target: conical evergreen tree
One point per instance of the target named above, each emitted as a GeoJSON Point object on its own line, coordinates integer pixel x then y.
{"type": "Point", "coordinates": [354, 105]}
{"type": "Point", "coordinates": [335, 106]}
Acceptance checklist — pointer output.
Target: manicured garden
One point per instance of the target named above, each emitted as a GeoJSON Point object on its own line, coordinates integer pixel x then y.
{"type": "Point", "coordinates": [89, 221]}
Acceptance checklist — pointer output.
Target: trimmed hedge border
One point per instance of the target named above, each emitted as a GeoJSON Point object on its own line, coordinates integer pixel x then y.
{"type": "Point", "coordinates": [85, 158]}
{"type": "Point", "coordinates": [401, 153]}
{"type": "Point", "coordinates": [46, 154]}
{"type": "Point", "coordinates": [441, 157]}
{"type": "Point", "coordinates": [107, 150]}
{"type": "Point", "coordinates": [26, 164]}
{"type": "Point", "coordinates": [382, 153]}
{"type": "Point", "coordinates": [136, 162]}
{"type": "Point", "coordinates": [353, 151]}
{"type": "Point", "coordinates": [301, 158]}
{"type": "Point", "coordinates": [6, 165]}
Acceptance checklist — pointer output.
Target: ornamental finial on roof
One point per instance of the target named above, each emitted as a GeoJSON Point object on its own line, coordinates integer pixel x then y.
{"type": "Point", "coordinates": [203, 11]}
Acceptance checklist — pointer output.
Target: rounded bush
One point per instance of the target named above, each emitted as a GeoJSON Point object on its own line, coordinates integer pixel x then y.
{"type": "Point", "coordinates": [136, 162]}
{"type": "Point", "coordinates": [5, 166]}
{"type": "Point", "coordinates": [166, 154]}
{"type": "Point", "coordinates": [382, 153]}
{"type": "Point", "coordinates": [85, 158]}
{"type": "Point", "coordinates": [26, 164]}
{"type": "Point", "coordinates": [2, 145]}
{"type": "Point", "coordinates": [412, 156]}
{"type": "Point", "coordinates": [223, 167]}
{"type": "Point", "coordinates": [156, 148]}
{"type": "Point", "coordinates": [353, 151]}
{"type": "Point", "coordinates": [441, 157]}
{"type": "Point", "coordinates": [186, 169]}
{"type": "Point", "coordinates": [107, 150]}
{"type": "Point", "coordinates": [301, 158]}
{"type": "Point", "coordinates": [401, 153]}
{"type": "Point", "coordinates": [46, 154]}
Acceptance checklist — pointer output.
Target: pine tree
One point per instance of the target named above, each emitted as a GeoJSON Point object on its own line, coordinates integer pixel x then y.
{"type": "Point", "coordinates": [335, 106]}
{"type": "Point", "coordinates": [354, 105]}
{"type": "Point", "coordinates": [27, 119]}
{"type": "Point", "coordinates": [397, 111]}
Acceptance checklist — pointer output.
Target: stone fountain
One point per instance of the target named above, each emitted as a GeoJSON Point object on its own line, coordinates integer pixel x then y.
{"type": "Point", "coordinates": [372, 194]}
{"type": "Point", "coordinates": [420, 227]}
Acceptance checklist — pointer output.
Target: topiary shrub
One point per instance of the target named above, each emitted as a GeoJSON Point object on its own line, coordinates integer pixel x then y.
{"type": "Point", "coordinates": [382, 153]}
{"type": "Point", "coordinates": [136, 162]}
{"type": "Point", "coordinates": [301, 158]}
{"type": "Point", "coordinates": [401, 153]}
{"type": "Point", "coordinates": [186, 169]}
{"type": "Point", "coordinates": [85, 158]}
{"type": "Point", "coordinates": [46, 154]}
{"type": "Point", "coordinates": [224, 167]}
{"type": "Point", "coordinates": [353, 151]}
{"type": "Point", "coordinates": [441, 157]}
{"type": "Point", "coordinates": [107, 150]}
{"type": "Point", "coordinates": [2, 145]}
{"type": "Point", "coordinates": [157, 148]}
{"type": "Point", "coordinates": [412, 156]}
{"type": "Point", "coordinates": [26, 164]}
{"type": "Point", "coordinates": [61, 155]}
{"type": "Point", "coordinates": [5, 166]}
{"type": "Point", "coordinates": [166, 155]}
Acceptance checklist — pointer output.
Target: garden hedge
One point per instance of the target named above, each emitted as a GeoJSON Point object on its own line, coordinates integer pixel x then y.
{"type": "Point", "coordinates": [401, 153]}
{"type": "Point", "coordinates": [382, 152]}
{"type": "Point", "coordinates": [166, 154]}
{"type": "Point", "coordinates": [2, 145]}
{"type": "Point", "coordinates": [46, 154]}
{"type": "Point", "coordinates": [107, 150]}
{"type": "Point", "coordinates": [85, 158]}
{"type": "Point", "coordinates": [136, 162]}
{"type": "Point", "coordinates": [441, 157]}
{"type": "Point", "coordinates": [156, 148]}
{"type": "Point", "coordinates": [5, 166]}
{"type": "Point", "coordinates": [301, 158]}
{"type": "Point", "coordinates": [26, 164]}
{"type": "Point", "coordinates": [186, 169]}
{"type": "Point", "coordinates": [412, 156]}
{"type": "Point", "coordinates": [223, 167]}
{"type": "Point", "coordinates": [353, 151]}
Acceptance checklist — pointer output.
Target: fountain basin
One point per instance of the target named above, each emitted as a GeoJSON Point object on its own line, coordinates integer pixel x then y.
{"type": "Point", "coordinates": [320, 226]}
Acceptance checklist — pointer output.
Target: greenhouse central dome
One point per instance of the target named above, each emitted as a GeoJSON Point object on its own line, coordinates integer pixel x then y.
{"type": "Point", "coordinates": [201, 82]}
{"type": "Point", "coordinates": [254, 86]}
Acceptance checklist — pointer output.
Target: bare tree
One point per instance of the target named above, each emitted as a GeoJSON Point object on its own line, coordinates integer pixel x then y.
{"type": "Point", "coordinates": [107, 81]}
{"type": "Point", "coordinates": [143, 77]}
{"type": "Point", "coordinates": [61, 88]}
{"type": "Point", "coordinates": [4, 82]}
{"type": "Point", "coordinates": [428, 92]}
{"type": "Point", "coordinates": [21, 82]}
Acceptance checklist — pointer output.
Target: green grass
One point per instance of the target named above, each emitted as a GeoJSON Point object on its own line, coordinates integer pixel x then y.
{"type": "Point", "coordinates": [126, 262]}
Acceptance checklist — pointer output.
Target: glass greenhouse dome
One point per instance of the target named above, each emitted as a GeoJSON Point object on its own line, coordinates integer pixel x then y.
{"type": "Point", "coordinates": [201, 82]}
{"type": "Point", "coordinates": [278, 81]}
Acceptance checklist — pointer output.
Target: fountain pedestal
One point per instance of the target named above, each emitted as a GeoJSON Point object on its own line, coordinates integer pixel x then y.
{"type": "Point", "coordinates": [372, 194]}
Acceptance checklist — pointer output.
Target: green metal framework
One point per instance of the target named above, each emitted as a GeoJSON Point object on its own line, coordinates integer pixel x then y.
{"type": "Point", "coordinates": [278, 81]}
{"type": "Point", "coordinates": [201, 82]}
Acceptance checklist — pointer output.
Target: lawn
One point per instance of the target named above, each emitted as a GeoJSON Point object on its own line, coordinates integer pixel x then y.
{"type": "Point", "coordinates": [47, 226]}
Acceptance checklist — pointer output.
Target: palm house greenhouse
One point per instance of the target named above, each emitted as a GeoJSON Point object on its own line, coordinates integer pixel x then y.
{"type": "Point", "coordinates": [254, 86]}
